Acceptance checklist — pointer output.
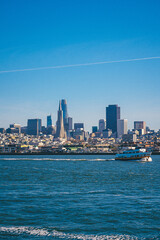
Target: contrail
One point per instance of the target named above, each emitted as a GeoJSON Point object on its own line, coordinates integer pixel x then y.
{"type": "Point", "coordinates": [78, 65]}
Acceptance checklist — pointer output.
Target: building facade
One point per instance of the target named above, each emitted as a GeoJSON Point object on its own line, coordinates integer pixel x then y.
{"type": "Point", "coordinates": [70, 123]}
{"type": "Point", "coordinates": [49, 121]}
{"type": "Point", "coordinates": [102, 125]}
{"type": "Point", "coordinates": [60, 131]}
{"type": "Point", "coordinates": [78, 125]}
{"type": "Point", "coordinates": [112, 115]}
{"type": "Point", "coordinates": [34, 126]}
{"type": "Point", "coordinates": [94, 129]}
{"type": "Point", "coordinates": [65, 113]}
{"type": "Point", "coordinates": [122, 127]}
{"type": "Point", "coordinates": [140, 126]}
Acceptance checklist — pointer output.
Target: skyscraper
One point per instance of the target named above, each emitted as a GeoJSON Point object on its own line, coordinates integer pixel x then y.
{"type": "Point", "coordinates": [65, 114]}
{"type": "Point", "coordinates": [122, 127]}
{"type": "Point", "coordinates": [64, 109]}
{"type": "Point", "coordinates": [60, 132]}
{"type": "Point", "coordinates": [112, 115]}
{"type": "Point", "coordinates": [102, 125]}
{"type": "Point", "coordinates": [34, 126]}
{"type": "Point", "coordinates": [49, 121]}
{"type": "Point", "coordinates": [70, 120]}
{"type": "Point", "coordinates": [94, 129]}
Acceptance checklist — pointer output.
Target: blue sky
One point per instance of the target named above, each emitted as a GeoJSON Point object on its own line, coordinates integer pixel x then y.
{"type": "Point", "coordinates": [49, 33]}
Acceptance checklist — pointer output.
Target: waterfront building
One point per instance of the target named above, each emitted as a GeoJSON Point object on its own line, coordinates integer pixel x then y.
{"type": "Point", "coordinates": [140, 126]}
{"type": "Point", "coordinates": [102, 125]}
{"type": "Point", "coordinates": [49, 121]}
{"type": "Point", "coordinates": [10, 148]}
{"type": "Point", "coordinates": [60, 131]}
{"type": "Point", "coordinates": [94, 129]}
{"type": "Point", "coordinates": [34, 126]}
{"type": "Point", "coordinates": [122, 127]}
{"type": "Point", "coordinates": [112, 115]}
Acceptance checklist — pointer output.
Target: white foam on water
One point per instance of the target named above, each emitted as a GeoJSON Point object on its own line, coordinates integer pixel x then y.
{"type": "Point", "coordinates": [57, 159]}
{"type": "Point", "coordinates": [26, 230]}
{"type": "Point", "coordinates": [97, 159]}
{"type": "Point", "coordinates": [61, 235]}
{"type": "Point", "coordinates": [97, 191]}
{"type": "Point", "coordinates": [110, 159]}
{"type": "Point", "coordinates": [40, 159]}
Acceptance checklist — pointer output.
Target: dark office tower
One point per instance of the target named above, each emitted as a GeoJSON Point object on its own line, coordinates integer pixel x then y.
{"type": "Point", "coordinates": [49, 121]}
{"type": "Point", "coordinates": [112, 115]}
{"type": "Point", "coordinates": [34, 126]}
{"type": "Point", "coordinates": [94, 129]}
{"type": "Point", "coordinates": [70, 120]}
{"type": "Point", "coordinates": [60, 132]}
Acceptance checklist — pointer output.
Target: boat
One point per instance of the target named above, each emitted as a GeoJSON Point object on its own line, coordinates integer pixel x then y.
{"type": "Point", "coordinates": [134, 154]}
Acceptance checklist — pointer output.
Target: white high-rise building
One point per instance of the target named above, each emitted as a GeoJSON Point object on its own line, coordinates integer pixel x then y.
{"type": "Point", "coordinates": [122, 127]}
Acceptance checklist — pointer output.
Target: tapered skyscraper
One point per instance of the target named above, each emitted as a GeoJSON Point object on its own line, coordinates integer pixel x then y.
{"type": "Point", "coordinates": [60, 132]}
{"type": "Point", "coordinates": [65, 113]}
{"type": "Point", "coordinates": [64, 109]}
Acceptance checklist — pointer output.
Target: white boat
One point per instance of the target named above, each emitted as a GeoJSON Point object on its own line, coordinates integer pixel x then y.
{"type": "Point", "coordinates": [134, 154]}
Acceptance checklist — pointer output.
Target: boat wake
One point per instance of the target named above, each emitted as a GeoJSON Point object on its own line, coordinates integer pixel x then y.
{"type": "Point", "coordinates": [57, 159]}
{"type": "Point", "coordinates": [42, 232]}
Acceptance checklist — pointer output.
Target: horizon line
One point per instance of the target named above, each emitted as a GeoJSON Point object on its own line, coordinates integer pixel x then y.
{"type": "Point", "coordinates": [77, 65]}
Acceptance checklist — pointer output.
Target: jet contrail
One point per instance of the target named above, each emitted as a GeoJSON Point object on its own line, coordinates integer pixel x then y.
{"type": "Point", "coordinates": [78, 65]}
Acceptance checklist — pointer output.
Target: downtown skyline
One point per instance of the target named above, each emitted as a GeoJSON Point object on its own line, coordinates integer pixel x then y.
{"type": "Point", "coordinates": [112, 114]}
{"type": "Point", "coordinates": [74, 33]}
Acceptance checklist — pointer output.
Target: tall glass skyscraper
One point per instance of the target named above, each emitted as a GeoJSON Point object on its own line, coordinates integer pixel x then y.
{"type": "Point", "coordinates": [112, 115]}
{"type": "Point", "coordinates": [65, 114]}
{"type": "Point", "coordinates": [49, 121]}
{"type": "Point", "coordinates": [64, 109]}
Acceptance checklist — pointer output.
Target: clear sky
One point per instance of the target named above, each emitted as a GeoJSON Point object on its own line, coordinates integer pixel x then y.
{"type": "Point", "coordinates": [36, 33]}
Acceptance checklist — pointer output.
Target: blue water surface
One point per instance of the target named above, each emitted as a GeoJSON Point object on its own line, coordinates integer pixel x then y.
{"type": "Point", "coordinates": [79, 197]}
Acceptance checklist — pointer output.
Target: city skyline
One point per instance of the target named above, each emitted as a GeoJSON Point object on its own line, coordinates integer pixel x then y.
{"type": "Point", "coordinates": [110, 121]}
{"type": "Point", "coordinates": [80, 34]}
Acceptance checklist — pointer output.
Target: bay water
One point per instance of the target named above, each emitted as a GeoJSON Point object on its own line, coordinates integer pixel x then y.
{"type": "Point", "coordinates": [79, 197]}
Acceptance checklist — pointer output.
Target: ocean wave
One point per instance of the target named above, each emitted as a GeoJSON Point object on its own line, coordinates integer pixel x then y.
{"type": "Point", "coordinates": [61, 235]}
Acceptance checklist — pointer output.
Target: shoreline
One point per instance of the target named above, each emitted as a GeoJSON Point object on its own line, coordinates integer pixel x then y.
{"type": "Point", "coordinates": [54, 154]}
{"type": "Point", "coordinates": [59, 154]}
